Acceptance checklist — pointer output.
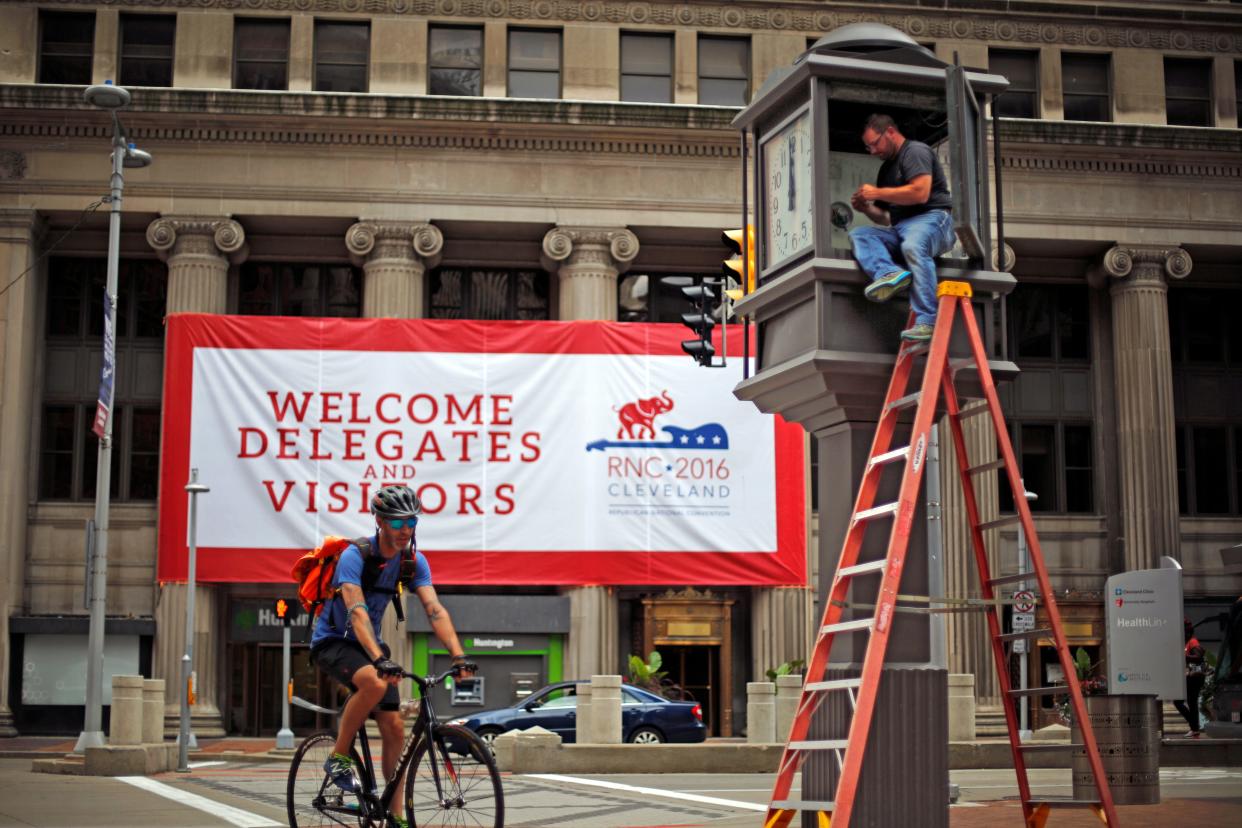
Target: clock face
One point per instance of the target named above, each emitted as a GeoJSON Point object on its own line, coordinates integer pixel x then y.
{"type": "Point", "coordinates": [787, 194]}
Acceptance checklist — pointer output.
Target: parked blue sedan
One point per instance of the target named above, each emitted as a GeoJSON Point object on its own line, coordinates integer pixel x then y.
{"type": "Point", "coordinates": [646, 719]}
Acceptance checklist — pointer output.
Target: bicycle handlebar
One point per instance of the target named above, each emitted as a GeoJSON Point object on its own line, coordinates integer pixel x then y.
{"type": "Point", "coordinates": [428, 681]}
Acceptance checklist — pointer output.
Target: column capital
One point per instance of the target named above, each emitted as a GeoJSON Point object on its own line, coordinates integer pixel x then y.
{"type": "Point", "coordinates": [1146, 263]}
{"type": "Point", "coordinates": [174, 235]}
{"type": "Point", "coordinates": [377, 238]}
{"type": "Point", "coordinates": [611, 247]}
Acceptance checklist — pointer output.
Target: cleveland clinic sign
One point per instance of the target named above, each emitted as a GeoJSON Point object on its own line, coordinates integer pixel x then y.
{"type": "Point", "coordinates": [1145, 637]}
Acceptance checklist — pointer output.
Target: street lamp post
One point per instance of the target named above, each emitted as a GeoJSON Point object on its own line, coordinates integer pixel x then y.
{"type": "Point", "coordinates": [185, 737]}
{"type": "Point", "coordinates": [112, 98]}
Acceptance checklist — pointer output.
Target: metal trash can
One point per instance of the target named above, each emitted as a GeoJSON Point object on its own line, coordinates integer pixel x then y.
{"type": "Point", "coordinates": [1127, 732]}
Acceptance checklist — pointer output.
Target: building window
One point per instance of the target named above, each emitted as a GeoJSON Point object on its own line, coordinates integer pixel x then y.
{"type": "Point", "coordinates": [342, 56]}
{"type": "Point", "coordinates": [455, 61]}
{"type": "Point", "coordinates": [1086, 87]}
{"type": "Point", "coordinates": [1237, 89]}
{"type": "Point", "coordinates": [260, 53]}
{"type": "Point", "coordinates": [655, 297]}
{"type": "Point", "coordinates": [1207, 378]}
{"type": "Point", "coordinates": [147, 49]}
{"type": "Point", "coordinates": [73, 328]}
{"type": "Point", "coordinates": [1188, 91]}
{"type": "Point", "coordinates": [1050, 406]}
{"type": "Point", "coordinates": [66, 47]}
{"type": "Point", "coordinates": [534, 63]}
{"type": "Point", "coordinates": [1021, 68]}
{"type": "Point", "coordinates": [275, 289]}
{"type": "Point", "coordinates": [477, 293]}
{"type": "Point", "coordinates": [724, 70]}
{"type": "Point", "coordinates": [1056, 464]}
{"type": "Point", "coordinates": [647, 68]}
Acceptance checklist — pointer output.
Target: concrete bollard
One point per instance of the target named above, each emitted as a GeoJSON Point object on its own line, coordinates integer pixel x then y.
{"type": "Point", "coordinates": [961, 707]}
{"type": "Point", "coordinates": [760, 712]}
{"type": "Point", "coordinates": [584, 730]}
{"type": "Point", "coordinates": [788, 691]}
{"type": "Point", "coordinates": [152, 711]}
{"type": "Point", "coordinates": [605, 710]}
{"type": "Point", "coordinates": [127, 711]}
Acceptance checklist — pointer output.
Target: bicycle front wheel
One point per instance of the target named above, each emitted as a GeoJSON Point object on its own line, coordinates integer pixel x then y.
{"type": "Point", "coordinates": [455, 783]}
{"type": "Point", "coordinates": [311, 798]}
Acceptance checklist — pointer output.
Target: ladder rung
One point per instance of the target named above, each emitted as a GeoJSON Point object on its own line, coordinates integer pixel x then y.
{"type": "Point", "coordinates": [862, 568]}
{"type": "Point", "coordinates": [973, 411]}
{"type": "Point", "coordinates": [802, 805]}
{"type": "Point", "coordinates": [956, 365]}
{"type": "Point", "coordinates": [1046, 747]}
{"type": "Point", "coordinates": [1061, 802]}
{"type": "Point", "coordinates": [821, 744]}
{"type": "Point", "coordinates": [877, 511]}
{"type": "Point", "coordinates": [1007, 520]}
{"type": "Point", "coordinates": [835, 684]}
{"type": "Point", "coordinates": [918, 348]}
{"type": "Point", "coordinates": [1040, 691]}
{"type": "Point", "coordinates": [1044, 632]}
{"type": "Point", "coordinates": [1016, 578]}
{"type": "Point", "coordinates": [847, 626]}
{"type": "Point", "coordinates": [999, 463]}
{"type": "Point", "coordinates": [905, 402]}
{"type": "Point", "coordinates": [889, 456]}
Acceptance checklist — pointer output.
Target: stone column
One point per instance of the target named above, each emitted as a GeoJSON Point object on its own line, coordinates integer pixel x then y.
{"type": "Point", "coordinates": [198, 250]}
{"type": "Point", "coordinates": [205, 718]}
{"type": "Point", "coordinates": [19, 325]}
{"type": "Point", "coordinates": [780, 627]}
{"type": "Point", "coordinates": [592, 645]}
{"type": "Point", "coordinates": [588, 261]}
{"type": "Point", "coordinates": [966, 633]}
{"type": "Point", "coordinates": [1144, 392]}
{"type": "Point", "coordinates": [395, 256]}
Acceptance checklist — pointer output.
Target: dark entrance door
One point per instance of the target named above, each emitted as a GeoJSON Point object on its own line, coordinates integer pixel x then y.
{"type": "Point", "coordinates": [695, 670]}
{"type": "Point", "coordinates": [256, 691]}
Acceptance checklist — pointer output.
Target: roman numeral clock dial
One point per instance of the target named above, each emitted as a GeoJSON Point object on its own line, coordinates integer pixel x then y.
{"type": "Point", "coordinates": [787, 190]}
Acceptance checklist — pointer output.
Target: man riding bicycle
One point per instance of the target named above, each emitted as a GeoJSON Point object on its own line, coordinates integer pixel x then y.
{"type": "Point", "coordinates": [346, 643]}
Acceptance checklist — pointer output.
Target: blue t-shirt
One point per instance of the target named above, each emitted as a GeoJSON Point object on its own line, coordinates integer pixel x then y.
{"type": "Point", "coordinates": [332, 621]}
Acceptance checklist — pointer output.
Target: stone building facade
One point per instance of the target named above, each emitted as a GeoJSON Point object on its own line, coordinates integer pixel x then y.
{"type": "Point", "coordinates": [552, 160]}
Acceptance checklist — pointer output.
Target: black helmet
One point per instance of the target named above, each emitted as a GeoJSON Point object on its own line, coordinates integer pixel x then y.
{"type": "Point", "coordinates": [395, 502]}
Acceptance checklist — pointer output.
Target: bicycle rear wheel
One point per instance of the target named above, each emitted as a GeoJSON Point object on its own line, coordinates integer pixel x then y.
{"type": "Point", "coordinates": [469, 794]}
{"type": "Point", "coordinates": [311, 798]}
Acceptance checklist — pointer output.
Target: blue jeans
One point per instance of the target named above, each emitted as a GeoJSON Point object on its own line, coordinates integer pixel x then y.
{"type": "Point", "coordinates": [915, 242]}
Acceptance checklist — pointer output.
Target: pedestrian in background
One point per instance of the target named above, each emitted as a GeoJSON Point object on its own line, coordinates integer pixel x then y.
{"type": "Point", "coordinates": [1196, 668]}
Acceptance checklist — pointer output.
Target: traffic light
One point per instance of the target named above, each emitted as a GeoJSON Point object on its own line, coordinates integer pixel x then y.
{"type": "Point", "coordinates": [282, 611]}
{"type": "Point", "coordinates": [741, 266]}
{"type": "Point", "coordinates": [701, 322]}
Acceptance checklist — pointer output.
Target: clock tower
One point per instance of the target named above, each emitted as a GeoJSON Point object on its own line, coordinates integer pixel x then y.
{"type": "Point", "coordinates": [825, 354]}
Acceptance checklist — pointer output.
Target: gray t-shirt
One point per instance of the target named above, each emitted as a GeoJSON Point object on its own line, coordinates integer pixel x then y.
{"type": "Point", "coordinates": [914, 159]}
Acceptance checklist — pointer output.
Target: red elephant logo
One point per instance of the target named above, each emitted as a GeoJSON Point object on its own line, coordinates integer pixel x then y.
{"type": "Point", "coordinates": [637, 417]}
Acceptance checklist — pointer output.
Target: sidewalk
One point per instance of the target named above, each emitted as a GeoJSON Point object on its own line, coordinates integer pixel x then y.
{"type": "Point", "coordinates": [42, 747]}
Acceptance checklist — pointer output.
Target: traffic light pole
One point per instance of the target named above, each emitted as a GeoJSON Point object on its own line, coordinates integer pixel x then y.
{"type": "Point", "coordinates": [284, 739]}
{"type": "Point", "coordinates": [185, 737]}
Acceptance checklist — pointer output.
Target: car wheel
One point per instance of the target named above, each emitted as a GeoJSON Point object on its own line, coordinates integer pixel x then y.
{"type": "Point", "coordinates": [488, 735]}
{"type": "Point", "coordinates": [646, 736]}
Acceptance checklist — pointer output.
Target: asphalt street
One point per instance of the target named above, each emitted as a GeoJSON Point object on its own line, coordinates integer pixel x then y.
{"type": "Point", "coordinates": [252, 795]}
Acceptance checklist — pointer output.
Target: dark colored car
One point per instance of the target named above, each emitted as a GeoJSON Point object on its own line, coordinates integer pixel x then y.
{"type": "Point", "coordinates": [645, 717]}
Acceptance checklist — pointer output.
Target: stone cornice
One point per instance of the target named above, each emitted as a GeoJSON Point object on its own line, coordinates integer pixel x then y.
{"type": "Point", "coordinates": [1195, 27]}
{"type": "Point", "coordinates": [313, 118]}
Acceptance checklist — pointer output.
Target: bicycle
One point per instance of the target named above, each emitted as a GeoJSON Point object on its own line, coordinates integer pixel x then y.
{"type": "Point", "coordinates": [458, 784]}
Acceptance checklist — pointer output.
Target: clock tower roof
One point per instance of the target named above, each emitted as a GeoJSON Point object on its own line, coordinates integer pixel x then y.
{"type": "Point", "coordinates": [875, 41]}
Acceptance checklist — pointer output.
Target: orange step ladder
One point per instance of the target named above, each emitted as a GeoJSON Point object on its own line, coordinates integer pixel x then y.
{"type": "Point", "coordinates": [937, 383]}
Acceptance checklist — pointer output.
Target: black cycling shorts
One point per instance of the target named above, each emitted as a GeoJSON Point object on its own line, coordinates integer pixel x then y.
{"type": "Point", "coordinates": [340, 659]}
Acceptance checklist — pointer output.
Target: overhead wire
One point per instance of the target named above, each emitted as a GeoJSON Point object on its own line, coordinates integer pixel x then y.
{"type": "Point", "coordinates": [86, 211]}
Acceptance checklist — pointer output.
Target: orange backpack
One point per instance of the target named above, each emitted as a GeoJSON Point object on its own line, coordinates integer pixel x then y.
{"type": "Point", "coordinates": [314, 571]}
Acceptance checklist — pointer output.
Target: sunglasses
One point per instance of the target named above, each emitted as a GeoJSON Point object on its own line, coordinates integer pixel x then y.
{"type": "Point", "coordinates": [402, 523]}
